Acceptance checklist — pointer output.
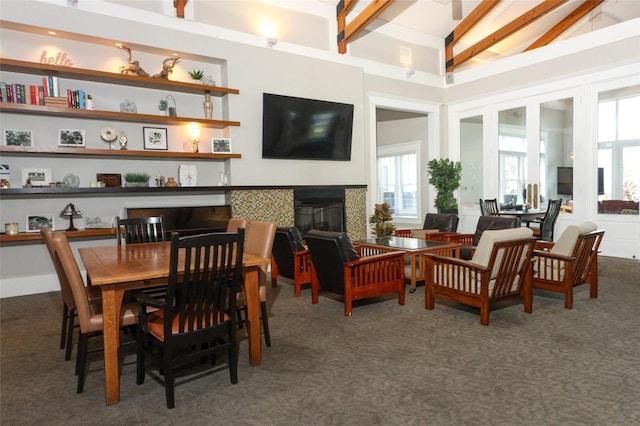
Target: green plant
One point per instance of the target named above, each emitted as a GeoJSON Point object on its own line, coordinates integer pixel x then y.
{"type": "Point", "coordinates": [381, 220]}
{"type": "Point", "coordinates": [137, 177]}
{"type": "Point", "coordinates": [163, 105]}
{"type": "Point", "coordinates": [445, 177]}
{"type": "Point", "coordinates": [196, 74]}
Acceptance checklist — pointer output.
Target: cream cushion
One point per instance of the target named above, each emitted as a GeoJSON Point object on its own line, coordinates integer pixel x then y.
{"type": "Point", "coordinates": [567, 241]}
{"type": "Point", "coordinates": [483, 251]}
{"type": "Point", "coordinates": [421, 233]}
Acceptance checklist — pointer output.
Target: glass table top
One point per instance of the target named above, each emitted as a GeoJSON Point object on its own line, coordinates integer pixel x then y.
{"type": "Point", "coordinates": [403, 243]}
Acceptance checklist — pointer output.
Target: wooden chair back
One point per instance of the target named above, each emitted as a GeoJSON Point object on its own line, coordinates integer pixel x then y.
{"type": "Point", "coordinates": [140, 230]}
{"type": "Point", "coordinates": [489, 207]}
{"type": "Point", "coordinates": [65, 288]}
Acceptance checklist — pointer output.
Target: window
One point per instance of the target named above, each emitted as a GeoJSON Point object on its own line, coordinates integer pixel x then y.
{"type": "Point", "coordinates": [398, 178]}
{"type": "Point", "coordinates": [619, 151]}
{"type": "Point", "coordinates": [512, 156]}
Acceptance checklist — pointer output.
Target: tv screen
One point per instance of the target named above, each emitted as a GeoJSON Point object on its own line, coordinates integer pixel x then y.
{"type": "Point", "coordinates": [306, 129]}
{"type": "Point", "coordinates": [565, 181]}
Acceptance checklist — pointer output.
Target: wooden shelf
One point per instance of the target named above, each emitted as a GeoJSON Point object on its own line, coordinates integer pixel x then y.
{"type": "Point", "coordinates": [35, 236]}
{"type": "Point", "coordinates": [46, 192]}
{"type": "Point", "coordinates": [13, 65]}
{"type": "Point", "coordinates": [45, 151]}
{"type": "Point", "coordinates": [11, 108]}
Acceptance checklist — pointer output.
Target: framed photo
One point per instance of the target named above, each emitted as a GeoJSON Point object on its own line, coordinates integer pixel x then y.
{"type": "Point", "coordinates": [37, 177]}
{"type": "Point", "coordinates": [72, 138]}
{"type": "Point", "coordinates": [98, 222]}
{"type": "Point", "coordinates": [37, 221]}
{"type": "Point", "coordinates": [18, 137]}
{"type": "Point", "coordinates": [155, 138]}
{"type": "Point", "coordinates": [220, 145]}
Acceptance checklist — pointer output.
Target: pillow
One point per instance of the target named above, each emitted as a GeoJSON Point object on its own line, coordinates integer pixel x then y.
{"type": "Point", "coordinates": [567, 241]}
{"type": "Point", "coordinates": [483, 251]}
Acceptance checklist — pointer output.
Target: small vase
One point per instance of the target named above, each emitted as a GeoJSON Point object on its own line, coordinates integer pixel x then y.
{"type": "Point", "coordinates": [171, 183]}
{"type": "Point", "coordinates": [207, 105]}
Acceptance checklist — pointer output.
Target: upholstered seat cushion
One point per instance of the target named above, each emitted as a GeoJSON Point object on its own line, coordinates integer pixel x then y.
{"type": "Point", "coordinates": [421, 233]}
{"type": "Point", "coordinates": [156, 323]}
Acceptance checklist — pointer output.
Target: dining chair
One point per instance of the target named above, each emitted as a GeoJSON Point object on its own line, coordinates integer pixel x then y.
{"type": "Point", "coordinates": [259, 241]}
{"type": "Point", "coordinates": [140, 230]}
{"type": "Point", "coordinates": [489, 207]}
{"type": "Point", "coordinates": [468, 242]}
{"type": "Point", "coordinates": [69, 311]}
{"type": "Point", "coordinates": [236, 223]}
{"type": "Point", "coordinates": [500, 269]}
{"type": "Point", "coordinates": [545, 225]}
{"type": "Point", "coordinates": [89, 311]}
{"type": "Point", "coordinates": [199, 320]}
{"type": "Point", "coordinates": [290, 258]}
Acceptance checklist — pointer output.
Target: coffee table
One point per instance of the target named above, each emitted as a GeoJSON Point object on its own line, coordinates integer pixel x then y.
{"type": "Point", "coordinates": [414, 248]}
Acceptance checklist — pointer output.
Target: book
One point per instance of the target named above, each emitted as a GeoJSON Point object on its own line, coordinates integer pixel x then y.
{"type": "Point", "coordinates": [82, 99]}
{"type": "Point", "coordinates": [45, 85]}
{"type": "Point", "coordinates": [40, 95]}
{"type": "Point", "coordinates": [3, 91]}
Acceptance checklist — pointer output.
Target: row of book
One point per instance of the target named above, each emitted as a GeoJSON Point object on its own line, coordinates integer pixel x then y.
{"type": "Point", "coordinates": [46, 94]}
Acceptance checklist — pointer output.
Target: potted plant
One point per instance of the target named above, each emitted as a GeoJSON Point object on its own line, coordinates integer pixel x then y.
{"type": "Point", "coordinates": [444, 175]}
{"type": "Point", "coordinates": [196, 74]}
{"type": "Point", "coordinates": [381, 220]}
{"type": "Point", "coordinates": [136, 179]}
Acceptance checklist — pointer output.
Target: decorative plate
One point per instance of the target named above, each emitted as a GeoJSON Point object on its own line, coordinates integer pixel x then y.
{"type": "Point", "coordinates": [108, 134]}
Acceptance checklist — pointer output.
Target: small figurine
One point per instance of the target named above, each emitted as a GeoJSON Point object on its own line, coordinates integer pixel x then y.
{"type": "Point", "coordinates": [134, 66]}
{"type": "Point", "coordinates": [167, 67]}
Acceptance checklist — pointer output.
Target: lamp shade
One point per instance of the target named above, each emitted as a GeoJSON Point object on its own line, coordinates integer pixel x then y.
{"type": "Point", "coordinates": [70, 212]}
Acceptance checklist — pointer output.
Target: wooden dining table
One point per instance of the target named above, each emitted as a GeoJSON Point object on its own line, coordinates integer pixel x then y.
{"type": "Point", "coordinates": [118, 268]}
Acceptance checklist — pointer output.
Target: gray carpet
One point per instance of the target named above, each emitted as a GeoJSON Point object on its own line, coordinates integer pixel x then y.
{"type": "Point", "coordinates": [386, 365]}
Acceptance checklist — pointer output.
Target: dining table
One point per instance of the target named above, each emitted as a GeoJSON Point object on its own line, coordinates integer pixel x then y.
{"type": "Point", "coordinates": [118, 268]}
{"type": "Point", "coordinates": [525, 215]}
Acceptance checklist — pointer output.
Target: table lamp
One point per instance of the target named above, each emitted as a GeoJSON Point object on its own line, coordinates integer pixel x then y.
{"type": "Point", "coordinates": [70, 212]}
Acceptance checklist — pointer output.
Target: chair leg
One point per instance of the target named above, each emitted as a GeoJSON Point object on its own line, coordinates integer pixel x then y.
{"type": "Point", "coordinates": [265, 323]}
{"type": "Point", "coordinates": [140, 358]}
{"type": "Point", "coordinates": [169, 380]}
{"type": "Point", "coordinates": [69, 340]}
{"type": "Point", "coordinates": [63, 333]}
{"type": "Point", "coordinates": [81, 360]}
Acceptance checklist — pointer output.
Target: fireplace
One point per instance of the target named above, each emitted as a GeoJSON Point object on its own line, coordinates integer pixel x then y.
{"type": "Point", "coordinates": [321, 209]}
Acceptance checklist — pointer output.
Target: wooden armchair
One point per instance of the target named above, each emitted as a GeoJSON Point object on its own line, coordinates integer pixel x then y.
{"type": "Point", "coordinates": [570, 262]}
{"type": "Point", "coordinates": [290, 259]}
{"type": "Point", "coordinates": [500, 269]}
{"type": "Point", "coordinates": [338, 267]}
{"type": "Point", "coordinates": [434, 223]}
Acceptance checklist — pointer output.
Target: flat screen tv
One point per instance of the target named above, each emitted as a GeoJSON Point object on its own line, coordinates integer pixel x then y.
{"type": "Point", "coordinates": [306, 129]}
{"type": "Point", "coordinates": [565, 181]}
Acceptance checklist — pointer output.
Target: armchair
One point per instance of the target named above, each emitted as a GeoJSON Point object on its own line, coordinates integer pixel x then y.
{"type": "Point", "coordinates": [500, 269]}
{"type": "Point", "coordinates": [338, 267]}
{"type": "Point", "coordinates": [570, 262]}
{"type": "Point", "coordinates": [469, 241]}
{"type": "Point", "coordinates": [434, 223]}
{"type": "Point", "coordinates": [290, 258]}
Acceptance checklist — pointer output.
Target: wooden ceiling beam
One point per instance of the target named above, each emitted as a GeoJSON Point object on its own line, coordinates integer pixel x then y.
{"type": "Point", "coordinates": [465, 26]}
{"type": "Point", "coordinates": [342, 10]}
{"type": "Point", "coordinates": [497, 36]}
{"type": "Point", "coordinates": [578, 13]}
{"type": "Point", "coordinates": [179, 5]}
{"type": "Point", "coordinates": [360, 22]}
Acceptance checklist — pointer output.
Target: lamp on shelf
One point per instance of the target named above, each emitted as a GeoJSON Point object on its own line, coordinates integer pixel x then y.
{"type": "Point", "coordinates": [192, 144]}
{"type": "Point", "coordinates": [70, 212]}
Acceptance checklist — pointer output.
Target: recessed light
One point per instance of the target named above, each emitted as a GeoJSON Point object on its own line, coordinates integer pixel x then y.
{"type": "Point", "coordinates": [51, 32]}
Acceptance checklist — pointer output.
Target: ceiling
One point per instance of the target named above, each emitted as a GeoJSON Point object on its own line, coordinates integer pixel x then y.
{"type": "Point", "coordinates": [433, 19]}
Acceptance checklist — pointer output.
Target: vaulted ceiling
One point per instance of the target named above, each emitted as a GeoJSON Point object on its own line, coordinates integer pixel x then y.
{"type": "Point", "coordinates": [489, 29]}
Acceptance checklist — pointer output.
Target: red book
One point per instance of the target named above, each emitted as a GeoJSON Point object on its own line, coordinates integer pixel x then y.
{"type": "Point", "coordinates": [70, 98]}
{"type": "Point", "coordinates": [33, 92]}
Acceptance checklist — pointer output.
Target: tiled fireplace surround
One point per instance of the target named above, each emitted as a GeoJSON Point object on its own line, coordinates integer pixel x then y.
{"type": "Point", "coordinates": [276, 204]}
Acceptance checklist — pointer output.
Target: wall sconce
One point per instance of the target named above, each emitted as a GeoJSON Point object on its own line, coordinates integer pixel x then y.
{"type": "Point", "coordinates": [194, 134]}
{"type": "Point", "coordinates": [410, 72]}
{"type": "Point", "coordinates": [70, 212]}
{"type": "Point", "coordinates": [272, 41]}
